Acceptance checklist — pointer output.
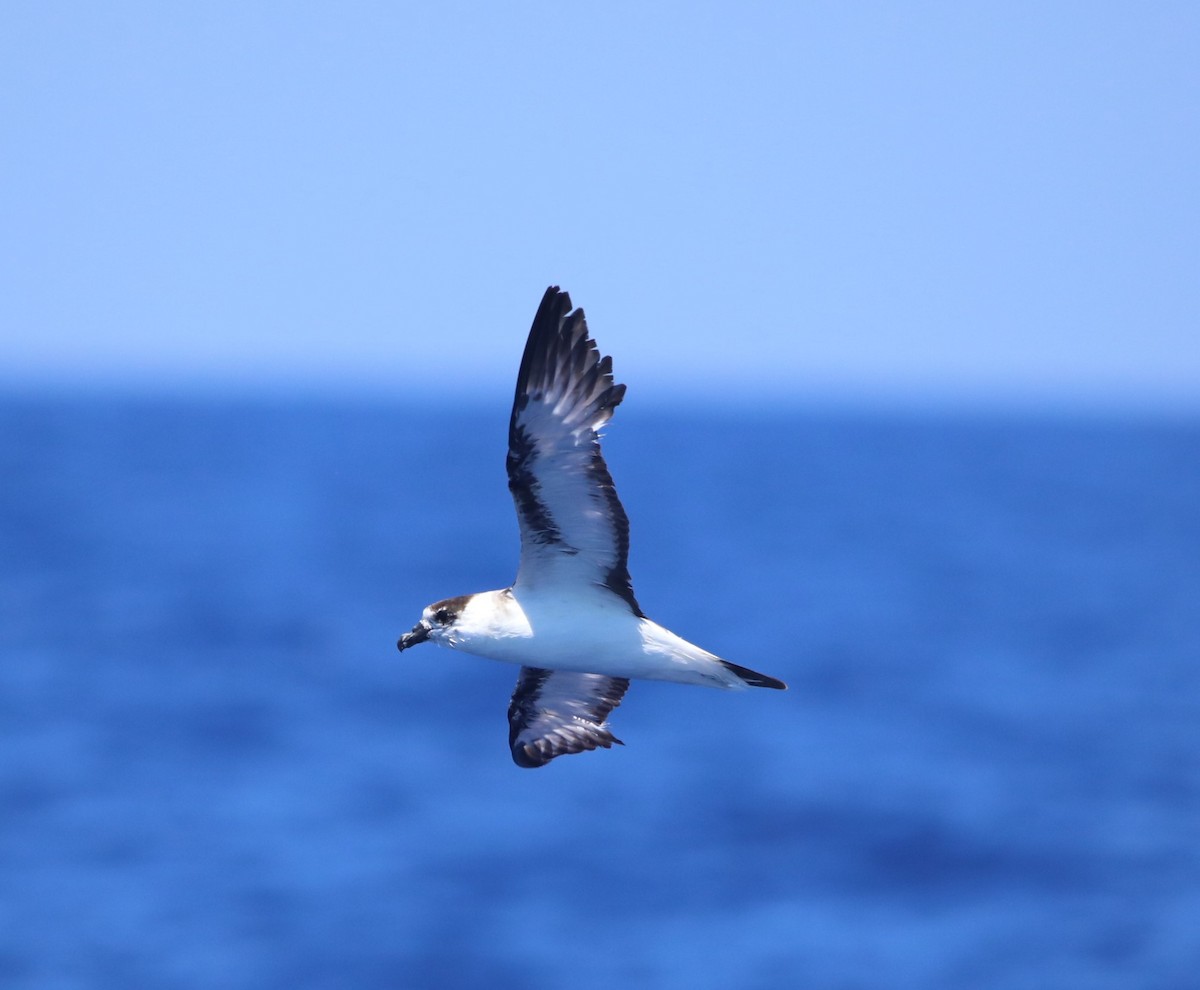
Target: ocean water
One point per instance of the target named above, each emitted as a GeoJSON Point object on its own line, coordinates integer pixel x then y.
{"type": "Point", "coordinates": [216, 770]}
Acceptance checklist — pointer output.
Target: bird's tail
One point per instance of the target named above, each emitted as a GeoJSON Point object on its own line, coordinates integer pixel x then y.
{"type": "Point", "coordinates": [753, 677]}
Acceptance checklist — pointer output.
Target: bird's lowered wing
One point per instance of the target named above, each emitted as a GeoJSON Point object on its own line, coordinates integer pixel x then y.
{"type": "Point", "coordinates": [573, 528]}
{"type": "Point", "coordinates": [556, 712]}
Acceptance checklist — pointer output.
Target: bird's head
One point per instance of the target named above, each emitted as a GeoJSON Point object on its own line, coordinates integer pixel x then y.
{"type": "Point", "coordinates": [436, 622]}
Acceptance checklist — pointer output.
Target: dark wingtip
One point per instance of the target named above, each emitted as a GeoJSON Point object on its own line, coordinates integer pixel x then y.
{"type": "Point", "coordinates": [556, 299]}
{"type": "Point", "coordinates": [531, 756]}
{"type": "Point", "coordinates": [526, 760]}
{"type": "Point", "coordinates": [754, 678]}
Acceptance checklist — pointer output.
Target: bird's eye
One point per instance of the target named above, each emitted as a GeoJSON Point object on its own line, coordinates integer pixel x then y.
{"type": "Point", "coordinates": [441, 616]}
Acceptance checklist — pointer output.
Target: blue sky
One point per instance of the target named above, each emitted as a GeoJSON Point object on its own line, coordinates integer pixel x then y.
{"type": "Point", "coordinates": [835, 200]}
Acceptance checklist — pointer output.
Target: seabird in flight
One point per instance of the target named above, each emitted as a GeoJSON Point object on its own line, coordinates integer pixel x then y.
{"type": "Point", "coordinates": [570, 619]}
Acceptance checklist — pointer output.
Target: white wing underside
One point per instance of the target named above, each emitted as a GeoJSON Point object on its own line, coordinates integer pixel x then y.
{"type": "Point", "coordinates": [573, 528]}
{"type": "Point", "coordinates": [555, 713]}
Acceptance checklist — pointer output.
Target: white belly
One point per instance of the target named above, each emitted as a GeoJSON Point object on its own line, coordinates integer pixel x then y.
{"type": "Point", "coordinates": [597, 635]}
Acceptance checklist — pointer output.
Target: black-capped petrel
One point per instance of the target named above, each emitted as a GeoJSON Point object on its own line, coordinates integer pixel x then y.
{"type": "Point", "coordinates": [570, 618]}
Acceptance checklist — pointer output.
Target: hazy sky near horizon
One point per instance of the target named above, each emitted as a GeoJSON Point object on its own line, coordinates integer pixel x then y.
{"type": "Point", "coordinates": [800, 199]}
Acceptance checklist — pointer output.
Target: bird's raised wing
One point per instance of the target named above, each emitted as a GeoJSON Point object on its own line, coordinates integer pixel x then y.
{"type": "Point", "coordinates": [573, 528]}
{"type": "Point", "coordinates": [556, 712]}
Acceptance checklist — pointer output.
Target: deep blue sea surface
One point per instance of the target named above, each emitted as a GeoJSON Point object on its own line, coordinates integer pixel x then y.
{"type": "Point", "coordinates": [217, 771]}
